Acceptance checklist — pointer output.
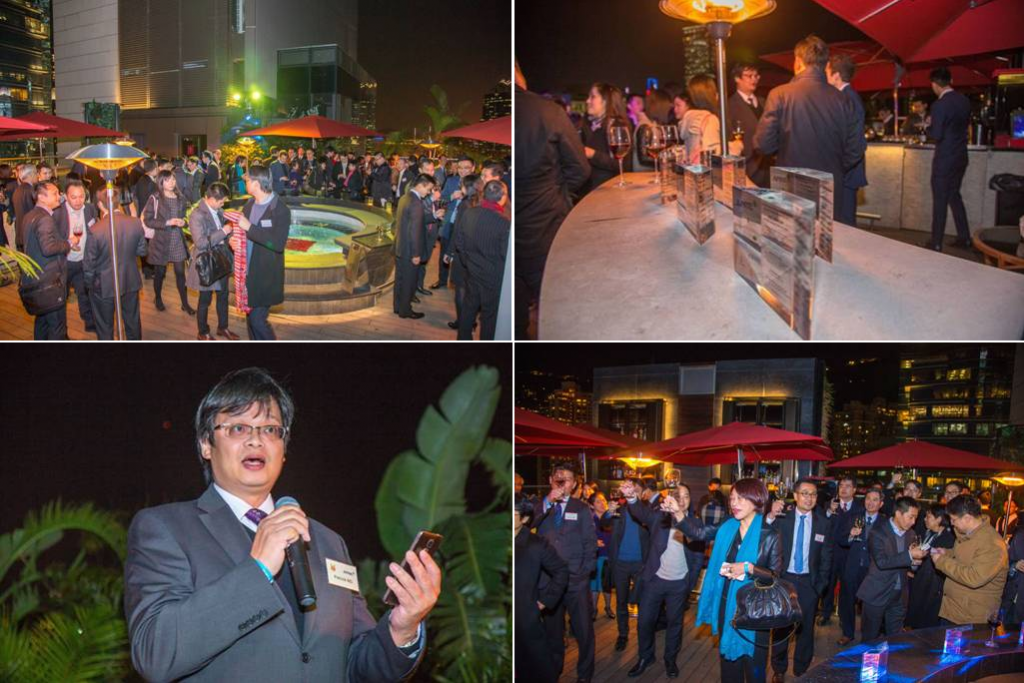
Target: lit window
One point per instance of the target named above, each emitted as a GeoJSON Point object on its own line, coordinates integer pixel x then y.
{"type": "Point", "coordinates": [950, 411]}
{"type": "Point", "coordinates": [982, 429]}
{"type": "Point", "coordinates": [957, 427]}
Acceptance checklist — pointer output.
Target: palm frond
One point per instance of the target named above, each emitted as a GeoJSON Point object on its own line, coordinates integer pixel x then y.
{"type": "Point", "coordinates": [24, 263]}
{"type": "Point", "coordinates": [89, 645]}
{"type": "Point", "coordinates": [476, 553]}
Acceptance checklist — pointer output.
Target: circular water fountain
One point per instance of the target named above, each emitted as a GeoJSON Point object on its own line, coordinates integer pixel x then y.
{"type": "Point", "coordinates": [339, 256]}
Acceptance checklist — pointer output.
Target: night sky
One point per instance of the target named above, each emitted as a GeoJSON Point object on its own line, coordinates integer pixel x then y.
{"type": "Point", "coordinates": [569, 45]}
{"type": "Point", "coordinates": [880, 378]}
{"type": "Point", "coordinates": [409, 45]}
{"type": "Point", "coordinates": [113, 423]}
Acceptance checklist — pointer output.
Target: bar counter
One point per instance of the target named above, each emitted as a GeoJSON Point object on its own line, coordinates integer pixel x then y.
{"type": "Point", "coordinates": [624, 267]}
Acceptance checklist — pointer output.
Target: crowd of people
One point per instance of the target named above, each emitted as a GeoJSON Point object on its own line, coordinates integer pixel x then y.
{"type": "Point", "coordinates": [816, 121]}
{"type": "Point", "coordinates": [178, 205]}
{"type": "Point", "coordinates": [906, 563]}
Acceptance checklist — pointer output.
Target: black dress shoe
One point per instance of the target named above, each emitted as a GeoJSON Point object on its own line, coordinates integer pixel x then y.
{"type": "Point", "coordinates": [415, 299]}
{"type": "Point", "coordinates": [454, 324]}
{"type": "Point", "coordinates": [824, 621]}
{"type": "Point", "coordinates": [159, 305]}
{"type": "Point", "coordinates": [437, 285]}
{"type": "Point", "coordinates": [929, 245]}
{"type": "Point", "coordinates": [620, 643]}
{"type": "Point", "coordinates": [671, 670]}
{"type": "Point", "coordinates": [641, 666]}
{"type": "Point", "coordinates": [415, 315]}
{"type": "Point", "coordinates": [424, 292]}
{"type": "Point", "coordinates": [609, 613]}
{"type": "Point", "coordinates": [963, 244]}
{"type": "Point", "coordinates": [188, 309]}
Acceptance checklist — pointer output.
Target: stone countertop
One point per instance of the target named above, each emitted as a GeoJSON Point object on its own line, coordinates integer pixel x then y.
{"type": "Point", "coordinates": [624, 267]}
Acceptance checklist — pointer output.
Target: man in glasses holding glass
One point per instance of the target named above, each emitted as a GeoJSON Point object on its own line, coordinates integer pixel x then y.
{"type": "Point", "coordinates": [807, 556]}
{"type": "Point", "coordinates": [568, 525]}
{"type": "Point", "coordinates": [207, 594]}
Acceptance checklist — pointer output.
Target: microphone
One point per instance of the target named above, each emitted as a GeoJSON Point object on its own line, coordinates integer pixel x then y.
{"type": "Point", "coordinates": [298, 563]}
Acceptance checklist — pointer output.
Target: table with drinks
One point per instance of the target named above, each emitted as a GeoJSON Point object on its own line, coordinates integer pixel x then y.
{"type": "Point", "coordinates": [623, 267]}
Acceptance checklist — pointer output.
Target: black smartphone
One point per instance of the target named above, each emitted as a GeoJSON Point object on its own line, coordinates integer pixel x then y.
{"type": "Point", "coordinates": [424, 540]}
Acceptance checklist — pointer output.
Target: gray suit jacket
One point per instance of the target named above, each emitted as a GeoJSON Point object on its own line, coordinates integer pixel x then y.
{"type": "Point", "coordinates": [200, 609]}
{"type": "Point", "coordinates": [887, 565]}
{"type": "Point", "coordinates": [205, 235]}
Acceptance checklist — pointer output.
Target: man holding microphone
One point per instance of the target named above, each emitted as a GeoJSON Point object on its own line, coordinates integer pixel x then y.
{"type": "Point", "coordinates": [207, 593]}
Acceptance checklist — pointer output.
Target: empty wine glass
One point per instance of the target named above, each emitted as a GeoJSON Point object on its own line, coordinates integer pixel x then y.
{"type": "Point", "coordinates": [654, 143]}
{"type": "Point", "coordinates": [619, 143]}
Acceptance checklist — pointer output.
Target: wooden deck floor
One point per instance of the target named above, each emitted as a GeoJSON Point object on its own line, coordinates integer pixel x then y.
{"type": "Point", "coordinates": [698, 659]}
{"type": "Point", "coordinates": [378, 322]}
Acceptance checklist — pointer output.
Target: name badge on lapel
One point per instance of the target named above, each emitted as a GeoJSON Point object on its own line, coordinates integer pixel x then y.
{"type": "Point", "coordinates": [820, 538]}
{"type": "Point", "coordinates": [91, 221]}
{"type": "Point", "coordinates": [570, 516]}
{"type": "Point", "coordinates": [341, 574]}
{"type": "Point", "coordinates": [265, 223]}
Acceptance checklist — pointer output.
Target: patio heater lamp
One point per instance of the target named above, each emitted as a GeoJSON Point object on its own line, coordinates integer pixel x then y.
{"type": "Point", "coordinates": [720, 16]}
{"type": "Point", "coordinates": [108, 158]}
{"type": "Point", "coordinates": [638, 462]}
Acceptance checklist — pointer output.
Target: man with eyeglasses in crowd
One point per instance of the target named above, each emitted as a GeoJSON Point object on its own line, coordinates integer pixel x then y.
{"type": "Point", "coordinates": [207, 594]}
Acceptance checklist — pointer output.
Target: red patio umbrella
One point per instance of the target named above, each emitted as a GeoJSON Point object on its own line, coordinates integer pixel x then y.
{"type": "Point", "coordinates": [921, 30]}
{"type": "Point", "coordinates": [924, 455]}
{"type": "Point", "coordinates": [876, 67]}
{"type": "Point", "coordinates": [9, 125]}
{"type": "Point", "coordinates": [498, 131]}
{"type": "Point", "coordinates": [316, 127]}
{"type": "Point", "coordinates": [539, 435]}
{"type": "Point", "coordinates": [738, 440]}
{"type": "Point", "coordinates": [60, 127]}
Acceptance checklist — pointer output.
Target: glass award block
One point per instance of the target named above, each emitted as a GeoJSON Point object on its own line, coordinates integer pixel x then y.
{"type": "Point", "coordinates": [875, 663]}
{"type": "Point", "coordinates": [955, 643]}
{"type": "Point", "coordinates": [818, 187]}
{"type": "Point", "coordinates": [727, 171]}
{"type": "Point", "coordinates": [695, 204]}
{"type": "Point", "coordinates": [773, 251]}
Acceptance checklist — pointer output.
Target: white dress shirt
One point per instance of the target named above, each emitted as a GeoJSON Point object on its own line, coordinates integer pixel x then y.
{"type": "Point", "coordinates": [805, 550]}
{"type": "Point", "coordinates": [76, 218]}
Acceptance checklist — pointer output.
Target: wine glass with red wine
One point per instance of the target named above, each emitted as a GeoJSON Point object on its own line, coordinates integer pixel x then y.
{"type": "Point", "coordinates": [619, 144]}
{"type": "Point", "coordinates": [654, 143]}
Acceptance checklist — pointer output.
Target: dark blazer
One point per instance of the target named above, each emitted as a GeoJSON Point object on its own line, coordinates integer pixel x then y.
{"type": "Point", "coordinates": [926, 588]}
{"type": "Point", "coordinates": [380, 187]}
{"type": "Point", "coordinates": [550, 165]}
{"type": "Point", "coordinates": [769, 547]}
{"type": "Point", "coordinates": [98, 263]}
{"type": "Point", "coordinates": [575, 540]}
{"type": "Point", "coordinates": [857, 176]}
{"type": "Point", "coordinates": [858, 559]}
{"type": "Point", "coordinates": [199, 609]}
{"type": "Point", "coordinates": [1013, 592]}
{"type": "Point", "coordinates": [887, 564]}
{"type": "Point", "coordinates": [409, 234]}
{"type": "Point", "coordinates": [211, 174]}
{"type": "Point", "coordinates": [482, 244]}
{"type": "Point", "coordinates": [43, 241]}
{"type": "Point", "coordinates": [603, 165]}
{"type": "Point", "coordinates": [265, 281]}
{"type": "Point", "coordinates": [535, 555]}
{"type": "Point", "coordinates": [810, 124]}
{"type": "Point", "coordinates": [747, 116]}
{"type": "Point", "coordinates": [279, 177]}
{"type": "Point", "coordinates": [951, 115]}
{"type": "Point", "coordinates": [23, 201]}
{"type": "Point", "coordinates": [144, 187]}
{"type": "Point", "coordinates": [89, 211]}
{"type": "Point", "coordinates": [155, 214]}
{"type": "Point", "coordinates": [661, 526]}
{"type": "Point", "coordinates": [842, 522]}
{"type": "Point", "coordinates": [820, 555]}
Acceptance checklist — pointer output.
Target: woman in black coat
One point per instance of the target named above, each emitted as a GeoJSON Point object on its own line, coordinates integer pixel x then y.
{"type": "Point", "coordinates": [164, 213]}
{"type": "Point", "coordinates": [605, 108]}
{"type": "Point", "coordinates": [926, 586]}
{"type": "Point", "coordinates": [534, 555]}
{"type": "Point", "coordinates": [1013, 593]}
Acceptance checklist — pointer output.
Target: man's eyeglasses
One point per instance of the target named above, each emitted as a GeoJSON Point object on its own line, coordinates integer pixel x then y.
{"type": "Point", "coordinates": [563, 482]}
{"type": "Point", "coordinates": [243, 431]}
{"type": "Point", "coordinates": [807, 494]}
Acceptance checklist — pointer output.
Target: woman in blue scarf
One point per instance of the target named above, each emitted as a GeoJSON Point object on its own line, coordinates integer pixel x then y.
{"type": "Point", "coordinates": [744, 548]}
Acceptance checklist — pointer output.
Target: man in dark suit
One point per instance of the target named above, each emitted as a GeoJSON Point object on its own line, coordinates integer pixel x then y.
{"type": "Point", "coordinates": [841, 511]}
{"type": "Point", "coordinates": [568, 524]}
{"type": "Point", "coordinates": [279, 173]}
{"type": "Point", "coordinates": [432, 217]}
{"type": "Point", "coordinates": [670, 572]}
{"type": "Point", "coordinates": [207, 595]}
{"type": "Point", "coordinates": [809, 124]}
{"type": "Point", "coordinates": [266, 221]}
{"type": "Point", "coordinates": [45, 245]}
{"type": "Point", "coordinates": [627, 552]}
{"type": "Point", "coordinates": [745, 109]}
{"type": "Point", "coordinates": [482, 243]}
{"type": "Point", "coordinates": [380, 185]}
{"type": "Point", "coordinates": [807, 556]}
{"type": "Point", "coordinates": [211, 168]}
{"type": "Point", "coordinates": [23, 200]}
{"type": "Point", "coordinates": [405, 177]}
{"type": "Point", "coordinates": [947, 126]}
{"type": "Point", "coordinates": [76, 216]}
{"type": "Point", "coordinates": [893, 551]}
{"type": "Point", "coordinates": [840, 70]}
{"type": "Point", "coordinates": [409, 238]}
{"type": "Point", "coordinates": [98, 269]}
{"type": "Point", "coordinates": [145, 186]}
{"type": "Point", "coordinates": [854, 539]}
{"type": "Point", "coordinates": [550, 165]}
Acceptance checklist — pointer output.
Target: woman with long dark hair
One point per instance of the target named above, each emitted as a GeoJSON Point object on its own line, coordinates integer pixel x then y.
{"type": "Point", "coordinates": [745, 548]}
{"type": "Point", "coordinates": [700, 129]}
{"type": "Point", "coordinates": [165, 215]}
{"type": "Point", "coordinates": [605, 107]}
{"type": "Point", "coordinates": [926, 586]}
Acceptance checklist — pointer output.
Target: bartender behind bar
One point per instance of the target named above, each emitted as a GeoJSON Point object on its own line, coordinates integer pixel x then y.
{"type": "Point", "coordinates": [947, 126]}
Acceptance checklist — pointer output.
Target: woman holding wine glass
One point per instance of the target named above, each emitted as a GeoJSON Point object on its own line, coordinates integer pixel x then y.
{"type": "Point", "coordinates": [926, 588]}
{"type": "Point", "coordinates": [700, 128]}
{"type": "Point", "coordinates": [605, 108]}
{"type": "Point", "coordinates": [165, 214]}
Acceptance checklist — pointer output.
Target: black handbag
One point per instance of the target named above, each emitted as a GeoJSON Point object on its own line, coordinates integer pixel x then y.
{"type": "Point", "coordinates": [761, 607]}
{"type": "Point", "coordinates": [43, 294]}
{"type": "Point", "coordinates": [214, 264]}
